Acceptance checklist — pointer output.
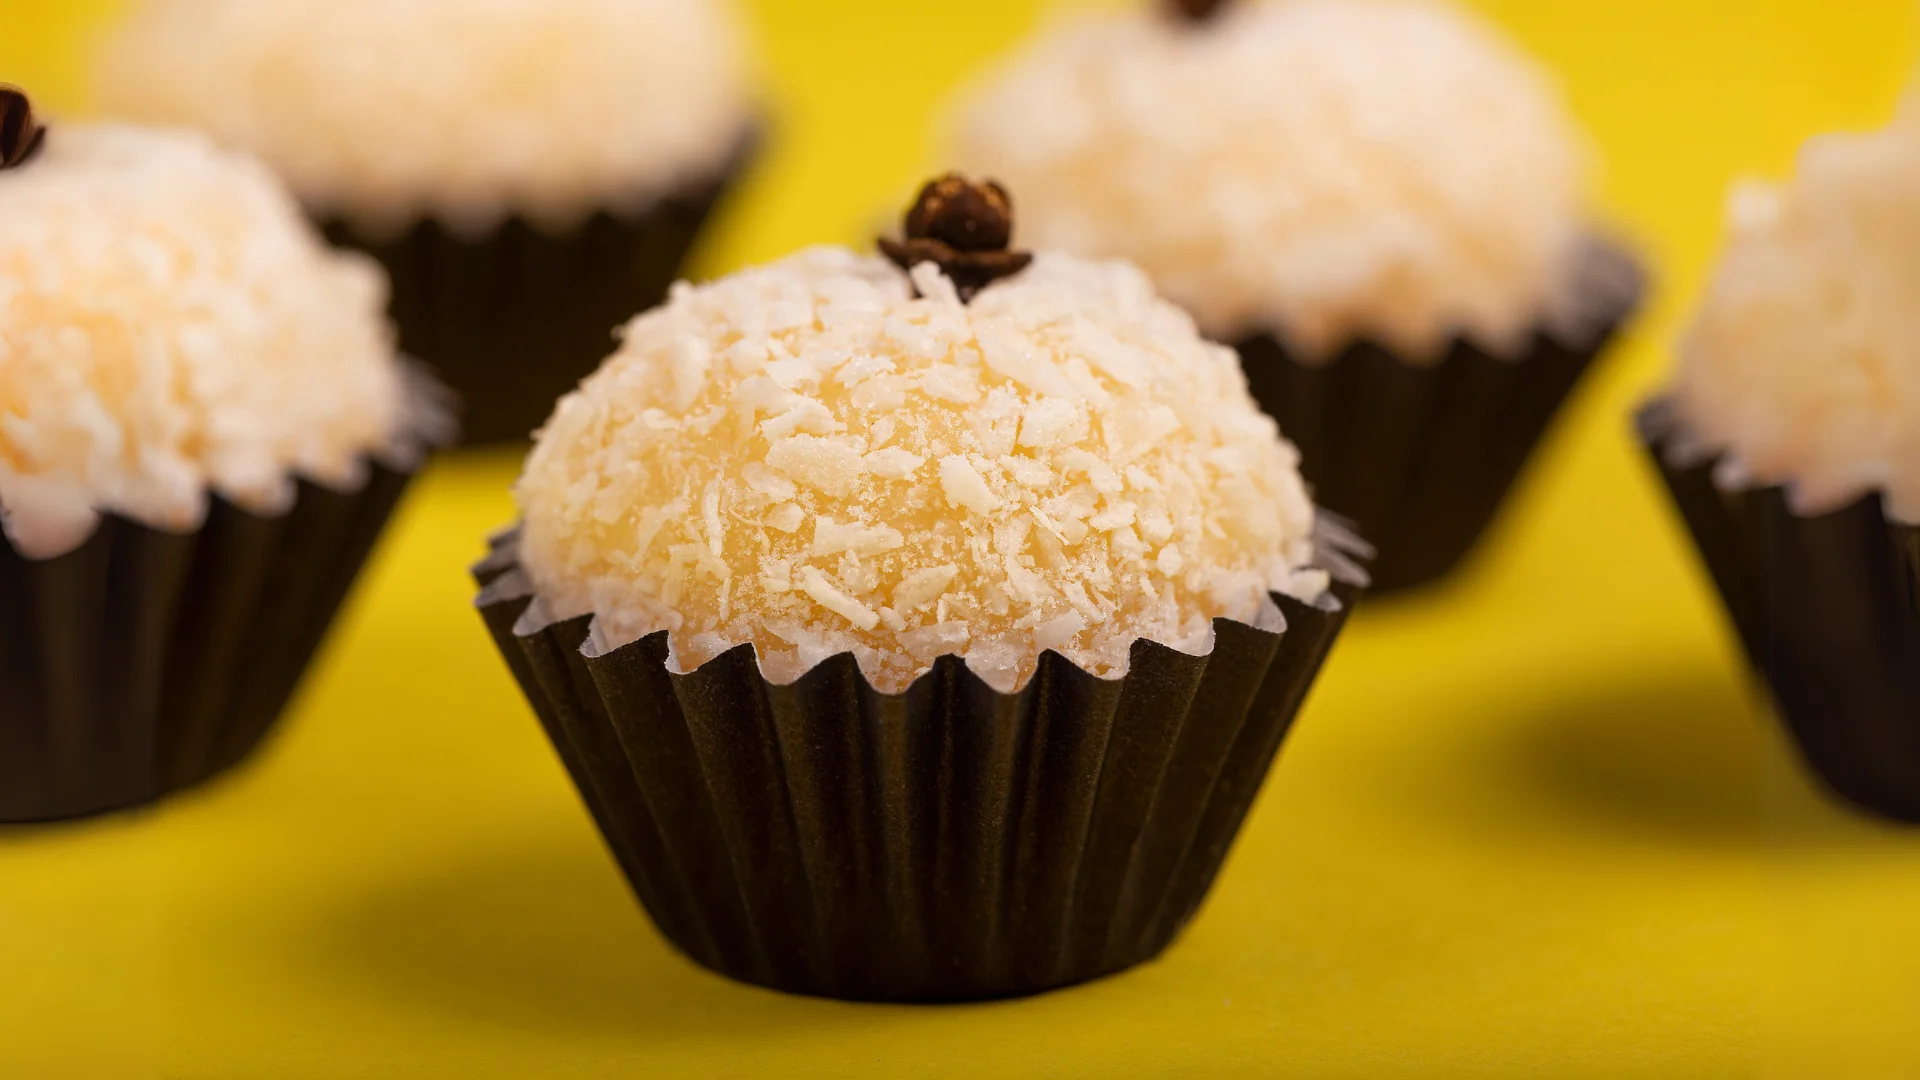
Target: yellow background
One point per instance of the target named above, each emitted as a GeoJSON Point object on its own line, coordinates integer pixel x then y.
{"type": "Point", "coordinates": [1534, 824]}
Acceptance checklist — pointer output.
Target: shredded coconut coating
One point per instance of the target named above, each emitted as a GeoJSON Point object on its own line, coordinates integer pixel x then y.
{"type": "Point", "coordinates": [805, 457]}
{"type": "Point", "coordinates": [1327, 171]}
{"type": "Point", "coordinates": [168, 324]}
{"type": "Point", "coordinates": [1804, 360]}
{"type": "Point", "coordinates": [464, 110]}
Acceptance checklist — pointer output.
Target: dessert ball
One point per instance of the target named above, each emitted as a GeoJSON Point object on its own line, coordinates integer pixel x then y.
{"type": "Point", "coordinates": [1803, 363]}
{"type": "Point", "coordinates": [827, 455]}
{"type": "Point", "coordinates": [463, 110]}
{"type": "Point", "coordinates": [170, 326]}
{"type": "Point", "coordinates": [1324, 171]}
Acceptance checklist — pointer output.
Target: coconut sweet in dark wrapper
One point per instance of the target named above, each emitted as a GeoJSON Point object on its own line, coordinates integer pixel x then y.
{"type": "Point", "coordinates": [1384, 203]}
{"type": "Point", "coordinates": [530, 172]}
{"type": "Point", "coordinates": [205, 427]}
{"type": "Point", "coordinates": [1790, 441]}
{"type": "Point", "coordinates": [918, 631]}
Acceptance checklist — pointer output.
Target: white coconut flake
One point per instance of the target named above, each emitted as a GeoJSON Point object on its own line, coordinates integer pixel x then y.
{"type": "Point", "coordinates": [922, 587]}
{"type": "Point", "coordinates": [831, 466]}
{"type": "Point", "coordinates": [767, 482]}
{"type": "Point", "coordinates": [932, 642]}
{"type": "Point", "coordinates": [893, 463]}
{"type": "Point", "coordinates": [787, 517]}
{"type": "Point", "coordinates": [815, 584]}
{"type": "Point", "coordinates": [965, 487]}
{"type": "Point", "coordinates": [1058, 633]}
{"type": "Point", "coordinates": [1051, 422]}
{"type": "Point", "coordinates": [833, 539]}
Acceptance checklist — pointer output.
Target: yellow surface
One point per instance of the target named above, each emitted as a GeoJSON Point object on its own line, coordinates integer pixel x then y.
{"type": "Point", "coordinates": [1535, 824]}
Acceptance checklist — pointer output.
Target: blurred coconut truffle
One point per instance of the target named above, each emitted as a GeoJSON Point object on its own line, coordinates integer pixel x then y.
{"type": "Point", "coordinates": [1803, 363]}
{"type": "Point", "coordinates": [1325, 170]}
{"type": "Point", "coordinates": [204, 428]}
{"type": "Point", "coordinates": [1382, 203]}
{"type": "Point", "coordinates": [848, 468]}
{"type": "Point", "coordinates": [1790, 442]}
{"type": "Point", "coordinates": [825, 455]}
{"type": "Point", "coordinates": [466, 110]}
{"type": "Point", "coordinates": [530, 172]}
{"type": "Point", "coordinates": [170, 326]}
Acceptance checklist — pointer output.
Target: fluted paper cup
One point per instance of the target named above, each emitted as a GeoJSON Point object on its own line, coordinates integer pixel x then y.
{"type": "Point", "coordinates": [1828, 609]}
{"type": "Point", "coordinates": [948, 843]}
{"type": "Point", "coordinates": [1421, 456]}
{"type": "Point", "coordinates": [515, 318]}
{"type": "Point", "coordinates": [146, 661]}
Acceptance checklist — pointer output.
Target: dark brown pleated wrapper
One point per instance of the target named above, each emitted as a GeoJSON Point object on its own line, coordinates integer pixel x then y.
{"type": "Point", "coordinates": [515, 319]}
{"type": "Point", "coordinates": [145, 661]}
{"type": "Point", "coordinates": [1420, 457]}
{"type": "Point", "coordinates": [950, 843]}
{"type": "Point", "coordinates": [1828, 609]}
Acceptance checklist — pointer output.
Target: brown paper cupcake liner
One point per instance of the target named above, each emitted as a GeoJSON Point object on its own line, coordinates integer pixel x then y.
{"type": "Point", "coordinates": [515, 319]}
{"type": "Point", "coordinates": [1909, 540]}
{"type": "Point", "coordinates": [1421, 456]}
{"type": "Point", "coordinates": [1828, 609]}
{"type": "Point", "coordinates": [146, 661]}
{"type": "Point", "coordinates": [948, 843]}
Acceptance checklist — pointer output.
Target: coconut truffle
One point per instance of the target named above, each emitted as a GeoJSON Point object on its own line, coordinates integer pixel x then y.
{"type": "Point", "coordinates": [465, 110]}
{"type": "Point", "coordinates": [1323, 170]}
{"type": "Point", "coordinates": [170, 325]}
{"type": "Point", "coordinates": [1803, 363]}
{"type": "Point", "coordinates": [807, 458]}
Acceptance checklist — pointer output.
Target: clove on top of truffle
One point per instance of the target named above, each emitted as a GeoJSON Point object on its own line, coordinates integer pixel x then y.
{"type": "Point", "coordinates": [963, 227]}
{"type": "Point", "coordinates": [21, 135]}
{"type": "Point", "coordinates": [1197, 11]}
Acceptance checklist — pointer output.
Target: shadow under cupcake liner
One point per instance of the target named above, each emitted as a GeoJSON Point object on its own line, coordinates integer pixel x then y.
{"type": "Point", "coordinates": [514, 319]}
{"type": "Point", "coordinates": [1420, 457]}
{"type": "Point", "coordinates": [1828, 609]}
{"type": "Point", "coordinates": [949, 843]}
